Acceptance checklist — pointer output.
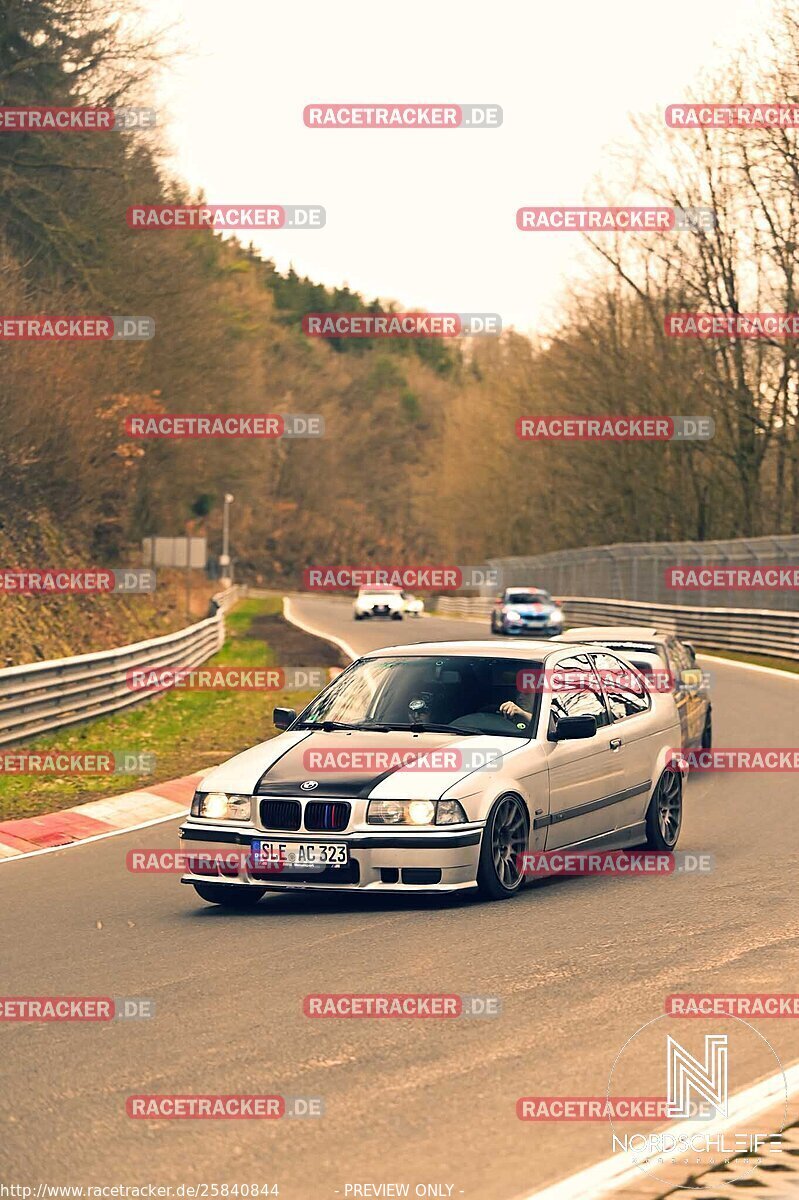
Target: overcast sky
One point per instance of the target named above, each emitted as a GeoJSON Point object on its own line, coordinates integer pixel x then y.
{"type": "Point", "coordinates": [428, 217]}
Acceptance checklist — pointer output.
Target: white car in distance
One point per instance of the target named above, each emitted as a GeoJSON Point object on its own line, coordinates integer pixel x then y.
{"type": "Point", "coordinates": [378, 602]}
{"type": "Point", "coordinates": [414, 606]}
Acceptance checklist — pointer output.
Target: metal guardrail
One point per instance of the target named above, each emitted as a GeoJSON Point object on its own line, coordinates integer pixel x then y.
{"type": "Point", "coordinates": [750, 630]}
{"type": "Point", "coordinates": [39, 697]}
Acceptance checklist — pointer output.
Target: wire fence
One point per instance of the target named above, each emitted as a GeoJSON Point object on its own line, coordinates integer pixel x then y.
{"type": "Point", "coordinates": [638, 571]}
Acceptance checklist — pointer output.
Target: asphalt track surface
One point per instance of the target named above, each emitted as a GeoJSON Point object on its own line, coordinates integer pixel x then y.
{"type": "Point", "coordinates": [579, 966]}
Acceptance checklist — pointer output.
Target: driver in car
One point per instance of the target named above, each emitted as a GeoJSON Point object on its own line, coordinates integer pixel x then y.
{"type": "Point", "coordinates": [514, 711]}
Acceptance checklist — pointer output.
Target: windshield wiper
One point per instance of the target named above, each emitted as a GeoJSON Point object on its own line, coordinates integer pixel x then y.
{"type": "Point", "coordinates": [430, 727]}
{"type": "Point", "coordinates": [383, 727]}
{"type": "Point", "coordinates": [325, 726]}
{"type": "Point", "coordinates": [330, 726]}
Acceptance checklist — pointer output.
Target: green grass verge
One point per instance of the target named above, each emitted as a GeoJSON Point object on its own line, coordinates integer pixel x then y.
{"type": "Point", "coordinates": [187, 731]}
{"type": "Point", "coordinates": [789, 665]}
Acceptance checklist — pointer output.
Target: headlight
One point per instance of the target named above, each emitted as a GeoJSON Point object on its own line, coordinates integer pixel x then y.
{"type": "Point", "coordinates": [415, 812]}
{"type": "Point", "coordinates": [219, 806]}
{"type": "Point", "coordinates": [512, 615]}
{"type": "Point", "coordinates": [555, 617]}
{"type": "Point", "coordinates": [449, 812]}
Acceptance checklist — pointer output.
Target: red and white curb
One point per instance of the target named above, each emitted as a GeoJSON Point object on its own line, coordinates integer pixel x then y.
{"type": "Point", "coordinates": [97, 819]}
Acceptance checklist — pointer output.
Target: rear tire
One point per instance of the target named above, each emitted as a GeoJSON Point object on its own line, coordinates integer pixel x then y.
{"type": "Point", "coordinates": [229, 895]}
{"type": "Point", "coordinates": [664, 815]}
{"type": "Point", "coordinates": [396, 616]}
{"type": "Point", "coordinates": [504, 837]}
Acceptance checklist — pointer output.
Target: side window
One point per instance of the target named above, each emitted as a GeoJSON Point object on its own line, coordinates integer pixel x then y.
{"type": "Point", "coordinates": [580, 696]}
{"type": "Point", "coordinates": [681, 655]}
{"type": "Point", "coordinates": [623, 685]}
{"type": "Point", "coordinates": [679, 659]}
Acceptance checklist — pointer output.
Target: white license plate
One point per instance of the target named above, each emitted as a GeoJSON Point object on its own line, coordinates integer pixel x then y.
{"type": "Point", "coordinates": [300, 854]}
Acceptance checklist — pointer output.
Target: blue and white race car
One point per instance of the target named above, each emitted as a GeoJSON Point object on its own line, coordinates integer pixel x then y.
{"type": "Point", "coordinates": [526, 610]}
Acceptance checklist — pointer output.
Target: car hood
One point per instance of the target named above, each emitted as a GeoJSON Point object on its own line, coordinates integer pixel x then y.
{"type": "Point", "coordinates": [530, 610]}
{"type": "Point", "coordinates": [280, 765]}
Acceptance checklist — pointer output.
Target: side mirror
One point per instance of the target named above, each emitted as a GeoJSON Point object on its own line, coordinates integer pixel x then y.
{"type": "Point", "coordinates": [689, 646]}
{"type": "Point", "coordinates": [497, 599]}
{"type": "Point", "coordinates": [569, 729]}
{"type": "Point", "coordinates": [284, 717]}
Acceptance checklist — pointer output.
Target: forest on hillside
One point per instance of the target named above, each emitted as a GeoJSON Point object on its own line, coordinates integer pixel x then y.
{"type": "Point", "coordinates": [420, 461]}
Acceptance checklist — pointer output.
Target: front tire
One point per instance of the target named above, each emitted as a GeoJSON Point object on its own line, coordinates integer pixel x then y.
{"type": "Point", "coordinates": [664, 815]}
{"type": "Point", "coordinates": [504, 838]}
{"type": "Point", "coordinates": [396, 616]}
{"type": "Point", "coordinates": [229, 895]}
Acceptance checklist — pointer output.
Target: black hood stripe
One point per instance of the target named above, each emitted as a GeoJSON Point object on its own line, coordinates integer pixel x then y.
{"type": "Point", "coordinates": [287, 773]}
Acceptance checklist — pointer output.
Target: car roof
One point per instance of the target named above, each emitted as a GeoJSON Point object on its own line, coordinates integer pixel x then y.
{"type": "Point", "coordinates": [521, 587]}
{"type": "Point", "coordinates": [614, 633]}
{"type": "Point", "coordinates": [536, 650]}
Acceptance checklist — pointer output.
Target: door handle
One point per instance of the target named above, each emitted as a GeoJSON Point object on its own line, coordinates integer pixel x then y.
{"type": "Point", "coordinates": [615, 743]}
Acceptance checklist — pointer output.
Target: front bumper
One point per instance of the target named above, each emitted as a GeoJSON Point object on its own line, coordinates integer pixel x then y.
{"type": "Point", "coordinates": [381, 859]}
{"type": "Point", "coordinates": [541, 631]}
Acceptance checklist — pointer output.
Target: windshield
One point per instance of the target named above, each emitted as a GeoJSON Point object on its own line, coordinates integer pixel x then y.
{"type": "Point", "coordinates": [457, 693]}
{"type": "Point", "coordinates": [628, 648]}
{"type": "Point", "coordinates": [527, 598]}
